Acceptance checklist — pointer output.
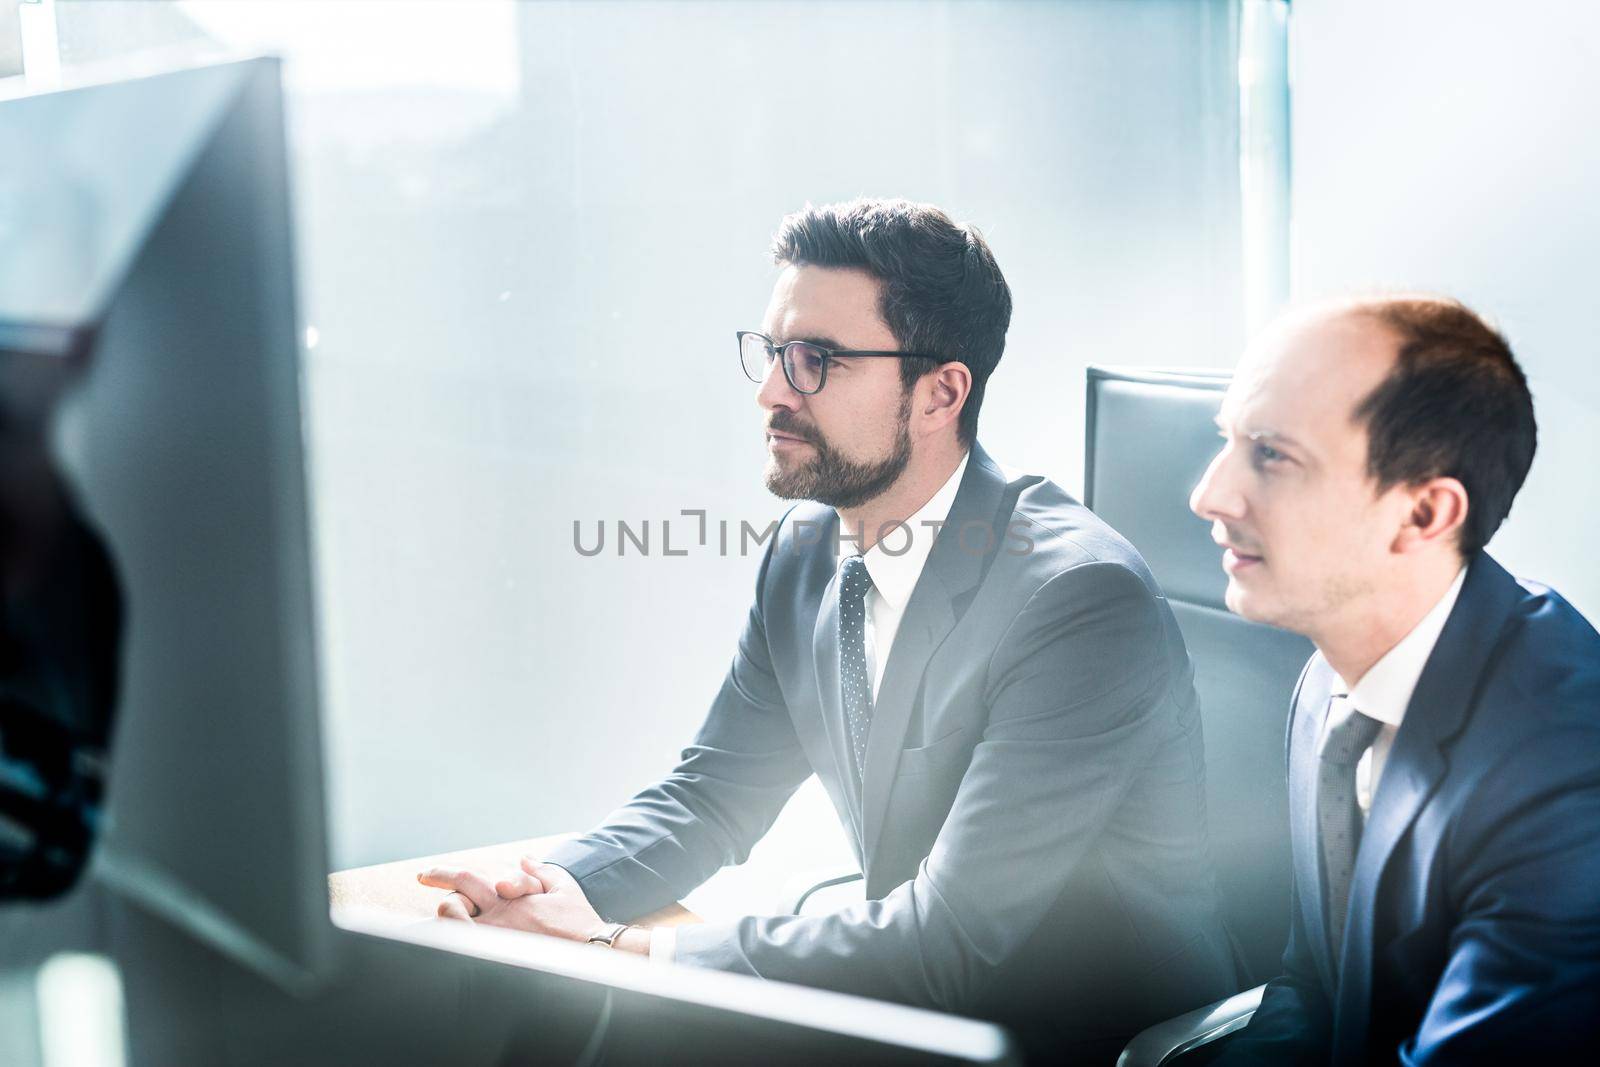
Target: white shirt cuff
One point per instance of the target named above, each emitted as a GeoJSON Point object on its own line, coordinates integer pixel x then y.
{"type": "Point", "coordinates": [663, 944]}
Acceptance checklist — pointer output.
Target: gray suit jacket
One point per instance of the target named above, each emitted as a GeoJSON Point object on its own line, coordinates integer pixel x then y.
{"type": "Point", "coordinates": [1032, 825]}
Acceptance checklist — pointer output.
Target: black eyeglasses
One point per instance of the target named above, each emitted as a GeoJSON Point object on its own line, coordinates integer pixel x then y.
{"type": "Point", "coordinates": [805, 364]}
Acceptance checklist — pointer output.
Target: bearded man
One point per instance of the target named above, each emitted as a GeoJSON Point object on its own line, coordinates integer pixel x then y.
{"type": "Point", "coordinates": [984, 676]}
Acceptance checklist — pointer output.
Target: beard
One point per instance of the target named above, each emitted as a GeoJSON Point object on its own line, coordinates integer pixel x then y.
{"type": "Point", "coordinates": [829, 477]}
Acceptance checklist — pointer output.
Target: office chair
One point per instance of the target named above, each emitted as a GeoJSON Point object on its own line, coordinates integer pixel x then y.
{"type": "Point", "coordinates": [1149, 437]}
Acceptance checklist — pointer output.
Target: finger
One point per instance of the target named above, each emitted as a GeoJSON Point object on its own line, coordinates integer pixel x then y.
{"type": "Point", "coordinates": [549, 874]}
{"type": "Point", "coordinates": [520, 886]}
{"type": "Point", "coordinates": [469, 884]}
{"type": "Point", "coordinates": [439, 877]}
{"type": "Point", "coordinates": [452, 907]}
{"type": "Point", "coordinates": [464, 902]}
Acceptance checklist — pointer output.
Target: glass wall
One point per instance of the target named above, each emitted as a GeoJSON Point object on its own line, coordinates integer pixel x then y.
{"type": "Point", "coordinates": [527, 234]}
{"type": "Point", "coordinates": [1418, 177]}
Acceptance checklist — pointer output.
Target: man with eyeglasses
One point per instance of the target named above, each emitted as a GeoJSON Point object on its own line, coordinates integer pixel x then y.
{"type": "Point", "coordinates": [983, 675]}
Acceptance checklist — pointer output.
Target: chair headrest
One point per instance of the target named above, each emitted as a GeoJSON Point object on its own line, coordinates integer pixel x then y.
{"type": "Point", "coordinates": [1150, 436]}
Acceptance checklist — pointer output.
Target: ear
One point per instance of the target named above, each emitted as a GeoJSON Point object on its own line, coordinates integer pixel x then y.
{"type": "Point", "coordinates": [1438, 508]}
{"type": "Point", "coordinates": [941, 396]}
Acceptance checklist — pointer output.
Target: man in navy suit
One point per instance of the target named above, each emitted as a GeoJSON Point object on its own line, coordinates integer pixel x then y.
{"type": "Point", "coordinates": [1444, 741]}
{"type": "Point", "coordinates": [984, 676]}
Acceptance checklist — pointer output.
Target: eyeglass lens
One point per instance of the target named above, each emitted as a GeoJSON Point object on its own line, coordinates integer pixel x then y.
{"type": "Point", "coordinates": [802, 362]}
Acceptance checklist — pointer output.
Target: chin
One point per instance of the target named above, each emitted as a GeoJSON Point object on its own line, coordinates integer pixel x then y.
{"type": "Point", "coordinates": [1256, 605]}
{"type": "Point", "coordinates": [783, 483]}
{"type": "Point", "coordinates": [1245, 604]}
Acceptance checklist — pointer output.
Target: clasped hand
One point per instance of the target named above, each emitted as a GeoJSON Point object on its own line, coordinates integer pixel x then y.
{"type": "Point", "coordinates": [543, 899]}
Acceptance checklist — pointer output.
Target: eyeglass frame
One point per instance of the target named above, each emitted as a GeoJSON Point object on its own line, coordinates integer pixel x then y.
{"type": "Point", "coordinates": [777, 352]}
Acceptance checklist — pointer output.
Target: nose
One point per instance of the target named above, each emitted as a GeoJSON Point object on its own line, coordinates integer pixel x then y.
{"type": "Point", "coordinates": [1218, 495]}
{"type": "Point", "coordinates": [776, 392]}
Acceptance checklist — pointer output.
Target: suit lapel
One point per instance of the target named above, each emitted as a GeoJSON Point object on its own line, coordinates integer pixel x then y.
{"type": "Point", "coordinates": [1439, 708]}
{"type": "Point", "coordinates": [954, 566]}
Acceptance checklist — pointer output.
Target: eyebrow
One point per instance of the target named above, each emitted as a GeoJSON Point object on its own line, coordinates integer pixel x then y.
{"type": "Point", "coordinates": [814, 339]}
{"type": "Point", "coordinates": [1268, 436]}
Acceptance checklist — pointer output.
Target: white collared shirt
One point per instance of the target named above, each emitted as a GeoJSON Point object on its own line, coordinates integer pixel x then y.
{"type": "Point", "coordinates": [1385, 690]}
{"type": "Point", "coordinates": [895, 564]}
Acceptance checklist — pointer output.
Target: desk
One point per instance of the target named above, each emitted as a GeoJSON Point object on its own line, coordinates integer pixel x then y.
{"type": "Point", "coordinates": [391, 890]}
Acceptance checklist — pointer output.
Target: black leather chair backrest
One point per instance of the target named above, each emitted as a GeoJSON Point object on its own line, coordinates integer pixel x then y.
{"type": "Point", "coordinates": [1150, 436]}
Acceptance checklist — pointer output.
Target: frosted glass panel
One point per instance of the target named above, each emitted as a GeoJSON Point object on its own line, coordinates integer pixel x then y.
{"type": "Point", "coordinates": [527, 233]}
{"type": "Point", "coordinates": [1496, 207]}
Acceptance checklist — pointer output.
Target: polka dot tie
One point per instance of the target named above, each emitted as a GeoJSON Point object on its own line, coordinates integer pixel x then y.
{"type": "Point", "coordinates": [855, 685]}
{"type": "Point", "coordinates": [1339, 822]}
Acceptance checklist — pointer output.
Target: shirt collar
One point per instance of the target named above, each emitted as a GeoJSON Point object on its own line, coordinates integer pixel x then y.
{"type": "Point", "coordinates": [896, 561]}
{"type": "Point", "coordinates": [1385, 690]}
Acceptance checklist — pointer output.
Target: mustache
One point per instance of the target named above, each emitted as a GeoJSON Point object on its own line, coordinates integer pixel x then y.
{"type": "Point", "coordinates": [785, 423]}
{"type": "Point", "coordinates": [1233, 538]}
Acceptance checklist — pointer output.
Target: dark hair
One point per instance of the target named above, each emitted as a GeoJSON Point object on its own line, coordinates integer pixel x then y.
{"type": "Point", "coordinates": [943, 292]}
{"type": "Point", "coordinates": [1455, 405]}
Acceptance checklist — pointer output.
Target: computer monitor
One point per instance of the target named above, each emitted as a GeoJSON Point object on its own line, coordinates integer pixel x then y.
{"type": "Point", "coordinates": [148, 327]}
{"type": "Point", "coordinates": [148, 282]}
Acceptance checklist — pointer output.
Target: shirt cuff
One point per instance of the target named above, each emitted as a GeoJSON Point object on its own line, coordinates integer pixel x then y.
{"type": "Point", "coordinates": [663, 944]}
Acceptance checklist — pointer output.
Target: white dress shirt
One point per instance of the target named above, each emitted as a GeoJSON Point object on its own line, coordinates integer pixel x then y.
{"type": "Point", "coordinates": [1385, 690]}
{"type": "Point", "coordinates": [895, 564]}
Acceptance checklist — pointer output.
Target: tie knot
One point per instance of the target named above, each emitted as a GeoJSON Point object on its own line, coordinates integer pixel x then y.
{"type": "Point", "coordinates": [853, 570]}
{"type": "Point", "coordinates": [1349, 733]}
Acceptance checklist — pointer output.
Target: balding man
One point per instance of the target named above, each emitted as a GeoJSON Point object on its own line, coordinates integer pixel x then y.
{"type": "Point", "coordinates": [1444, 742]}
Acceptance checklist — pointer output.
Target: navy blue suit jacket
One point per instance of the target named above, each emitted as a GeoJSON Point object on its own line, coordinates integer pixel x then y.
{"type": "Point", "coordinates": [1474, 924]}
{"type": "Point", "coordinates": [1032, 824]}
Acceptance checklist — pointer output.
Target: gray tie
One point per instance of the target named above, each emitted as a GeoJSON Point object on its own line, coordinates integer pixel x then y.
{"type": "Point", "coordinates": [855, 686]}
{"type": "Point", "coordinates": [1339, 822]}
